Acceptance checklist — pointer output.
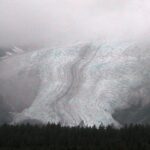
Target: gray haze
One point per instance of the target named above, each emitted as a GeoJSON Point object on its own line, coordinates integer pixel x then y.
{"type": "Point", "coordinates": [34, 24]}
{"type": "Point", "coordinates": [46, 23]}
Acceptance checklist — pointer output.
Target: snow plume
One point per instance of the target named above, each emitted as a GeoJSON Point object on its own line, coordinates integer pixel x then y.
{"type": "Point", "coordinates": [48, 23]}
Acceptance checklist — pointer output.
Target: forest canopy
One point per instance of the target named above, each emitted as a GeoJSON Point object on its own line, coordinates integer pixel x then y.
{"type": "Point", "coordinates": [55, 137]}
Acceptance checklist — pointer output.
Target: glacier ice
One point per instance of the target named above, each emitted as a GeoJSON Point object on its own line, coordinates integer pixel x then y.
{"type": "Point", "coordinates": [81, 83]}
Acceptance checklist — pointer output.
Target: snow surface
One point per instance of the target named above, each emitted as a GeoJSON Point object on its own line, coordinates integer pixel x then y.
{"type": "Point", "coordinates": [83, 83]}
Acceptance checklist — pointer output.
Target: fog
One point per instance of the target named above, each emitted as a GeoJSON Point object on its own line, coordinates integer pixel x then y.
{"type": "Point", "coordinates": [34, 24]}
{"type": "Point", "coordinates": [48, 23]}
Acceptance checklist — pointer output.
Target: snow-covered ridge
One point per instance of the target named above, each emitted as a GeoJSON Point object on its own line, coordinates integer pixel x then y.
{"type": "Point", "coordinates": [11, 52]}
{"type": "Point", "coordinates": [84, 83]}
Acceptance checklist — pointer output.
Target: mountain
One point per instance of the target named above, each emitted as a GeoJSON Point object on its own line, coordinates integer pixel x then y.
{"type": "Point", "coordinates": [90, 83]}
{"type": "Point", "coordinates": [5, 116]}
{"type": "Point", "coordinates": [6, 52]}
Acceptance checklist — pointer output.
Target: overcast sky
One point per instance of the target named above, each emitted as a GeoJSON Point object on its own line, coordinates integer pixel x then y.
{"type": "Point", "coordinates": [56, 22]}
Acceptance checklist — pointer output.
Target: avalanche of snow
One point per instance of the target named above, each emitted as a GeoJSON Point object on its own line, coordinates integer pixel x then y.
{"type": "Point", "coordinates": [82, 83]}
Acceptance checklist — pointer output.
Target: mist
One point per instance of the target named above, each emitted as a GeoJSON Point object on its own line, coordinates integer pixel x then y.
{"type": "Point", "coordinates": [36, 24]}
{"type": "Point", "coordinates": [49, 23]}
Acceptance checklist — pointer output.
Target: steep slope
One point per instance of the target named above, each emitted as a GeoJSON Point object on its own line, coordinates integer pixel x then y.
{"type": "Point", "coordinates": [5, 116]}
{"type": "Point", "coordinates": [83, 83]}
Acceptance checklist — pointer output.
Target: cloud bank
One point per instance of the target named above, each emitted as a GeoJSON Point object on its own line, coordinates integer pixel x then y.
{"type": "Point", "coordinates": [54, 22]}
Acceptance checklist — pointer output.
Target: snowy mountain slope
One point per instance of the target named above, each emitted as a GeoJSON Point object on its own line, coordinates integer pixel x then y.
{"type": "Point", "coordinates": [85, 82]}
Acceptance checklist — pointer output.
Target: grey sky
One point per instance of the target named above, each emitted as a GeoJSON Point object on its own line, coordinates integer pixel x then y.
{"type": "Point", "coordinates": [57, 22]}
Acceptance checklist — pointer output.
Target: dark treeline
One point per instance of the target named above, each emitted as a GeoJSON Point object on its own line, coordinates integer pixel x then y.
{"type": "Point", "coordinates": [55, 137]}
